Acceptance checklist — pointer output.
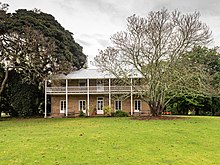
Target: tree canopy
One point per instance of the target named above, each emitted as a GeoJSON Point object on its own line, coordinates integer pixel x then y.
{"type": "Point", "coordinates": [35, 44]}
{"type": "Point", "coordinates": [66, 47]}
{"type": "Point", "coordinates": [208, 103]}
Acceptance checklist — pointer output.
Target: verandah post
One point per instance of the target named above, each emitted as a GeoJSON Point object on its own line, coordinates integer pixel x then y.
{"type": "Point", "coordinates": [88, 97]}
{"type": "Point", "coordinates": [45, 97]}
{"type": "Point", "coordinates": [66, 97]}
{"type": "Point", "coordinates": [109, 93]}
{"type": "Point", "coordinates": [131, 97]}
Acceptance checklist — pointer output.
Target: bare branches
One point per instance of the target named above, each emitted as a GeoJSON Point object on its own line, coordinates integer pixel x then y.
{"type": "Point", "coordinates": [154, 45]}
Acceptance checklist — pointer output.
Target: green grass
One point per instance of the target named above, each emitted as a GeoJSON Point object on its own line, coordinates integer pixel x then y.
{"type": "Point", "coordinates": [110, 141]}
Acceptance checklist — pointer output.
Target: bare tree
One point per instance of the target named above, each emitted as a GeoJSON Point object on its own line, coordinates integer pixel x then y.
{"type": "Point", "coordinates": [155, 46]}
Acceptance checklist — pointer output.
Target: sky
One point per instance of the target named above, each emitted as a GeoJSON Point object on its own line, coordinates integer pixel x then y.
{"type": "Point", "coordinates": [94, 21]}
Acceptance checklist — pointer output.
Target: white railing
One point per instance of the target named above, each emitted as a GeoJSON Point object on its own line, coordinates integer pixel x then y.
{"type": "Point", "coordinates": [92, 89]}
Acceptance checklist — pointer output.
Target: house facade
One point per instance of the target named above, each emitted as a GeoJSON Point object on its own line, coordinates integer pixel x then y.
{"type": "Point", "coordinates": [90, 91]}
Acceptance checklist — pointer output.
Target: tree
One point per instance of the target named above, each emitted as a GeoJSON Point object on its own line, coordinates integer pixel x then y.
{"type": "Point", "coordinates": [210, 59]}
{"type": "Point", "coordinates": [23, 98]}
{"type": "Point", "coordinates": [66, 47]}
{"type": "Point", "coordinates": [203, 104]}
{"type": "Point", "coordinates": [34, 44]}
{"type": "Point", "coordinates": [155, 46]}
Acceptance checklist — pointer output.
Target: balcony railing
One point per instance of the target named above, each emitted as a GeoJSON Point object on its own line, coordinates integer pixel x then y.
{"type": "Point", "coordinates": [92, 89]}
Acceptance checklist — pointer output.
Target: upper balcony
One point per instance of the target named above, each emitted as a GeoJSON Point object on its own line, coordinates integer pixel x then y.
{"type": "Point", "coordinates": [92, 81]}
{"type": "Point", "coordinates": [91, 90]}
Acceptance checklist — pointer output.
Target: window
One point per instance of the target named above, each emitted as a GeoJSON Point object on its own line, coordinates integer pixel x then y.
{"type": "Point", "coordinates": [82, 105]}
{"type": "Point", "coordinates": [137, 105]}
{"type": "Point", "coordinates": [62, 106]}
{"type": "Point", "coordinates": [118, 105]}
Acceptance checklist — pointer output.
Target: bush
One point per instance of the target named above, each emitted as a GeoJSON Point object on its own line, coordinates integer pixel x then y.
{"type": "Point", "coordinates": [217, 113]}
{"type": "Point", "coordinates": [205, 113]}
{"type": "Point", "coordinates": [119, 113]}
{"type": "Point", "coordinates": [107, 110]}
{"type": "Point", "coordinates": [81, 113]}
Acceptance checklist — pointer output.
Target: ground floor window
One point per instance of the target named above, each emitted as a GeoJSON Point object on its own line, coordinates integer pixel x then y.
{"type": "Point", "coordinates": [62, 106]}
{"type": "Point", "coordinates": [100, 103]}
{"type": "Point", "coordinates": [137, 105]}
{"type": "Point", "coordinates": [82, 105]}
{"type": "Point", "coordinates": [118, 105]}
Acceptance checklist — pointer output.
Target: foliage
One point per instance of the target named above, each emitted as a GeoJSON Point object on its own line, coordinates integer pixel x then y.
{"type": "Point", "coordinates": [81, 113]}
{"type": "Point", "coordinates": [66, 48]}
{"type": "Point", "coordinates": [24, 98]}
{"type": "Point", "coordinates": [34, 44]}
{"type": "Point", "coordinates": [107, 110]}
{"type": "Point", "coordinates": [5, 104]}
{"type": "Point", "coordinates": [183, 104]}
{"type": "Point", "coordinates": [20, 99]}
{"type": "Point", "coordinates": [155, 47]}
{"type": "Point", "coordinates": [217, 113]}
{"type": "Point", "coordinates": [210, 59]}
{"type": "Point", "coordinates": [201, 104]}
{"type": "Point", "coordinates": [119, 113]}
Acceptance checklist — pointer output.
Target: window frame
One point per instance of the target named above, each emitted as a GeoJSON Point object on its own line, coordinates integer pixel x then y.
{"type": "Point", "coordinates": [62, 106]}
{"type": "Point", "coordinates": [84, 110]}
{"type": "Point", "coordinates": [117, 103]}
{"type": "Point", "coordinates": [136, 109]}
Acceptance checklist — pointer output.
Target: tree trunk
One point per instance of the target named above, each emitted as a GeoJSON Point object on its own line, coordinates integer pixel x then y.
{"type": "Point", "coordinates": [4, 81]}
{"type": "Point", "coordinates": [3, 87]}
{"type": "Point", "coordinates": [156, 108]}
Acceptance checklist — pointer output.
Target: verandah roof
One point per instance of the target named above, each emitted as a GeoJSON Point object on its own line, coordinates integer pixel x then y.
{"type": "Point", "coordinates": [90, 74]}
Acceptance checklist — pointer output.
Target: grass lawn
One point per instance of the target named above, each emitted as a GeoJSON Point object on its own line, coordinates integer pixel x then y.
{"type": "Point", "coordinates": [110, 141]}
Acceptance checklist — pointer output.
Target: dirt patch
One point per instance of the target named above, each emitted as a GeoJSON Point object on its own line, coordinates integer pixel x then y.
{"type": "Point", "coordinates": [158, 118]}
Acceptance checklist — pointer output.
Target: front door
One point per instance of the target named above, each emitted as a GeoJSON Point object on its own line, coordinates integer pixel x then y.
{"type": "Point", "coordinates": [100, 106]}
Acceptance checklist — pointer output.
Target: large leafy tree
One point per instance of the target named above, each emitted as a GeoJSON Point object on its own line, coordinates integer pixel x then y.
{"type": "Point", "coordinates": [206, 103]}
{"type": "Point", "coordinates": [210, 59]}
{"type": "Point", "coordinates": [155, 46]}
{"type": "Point", "coordinates": [34, 44]}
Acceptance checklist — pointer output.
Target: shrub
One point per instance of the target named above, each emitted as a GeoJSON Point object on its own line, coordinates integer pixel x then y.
{"type": "Point", "coordinates": [217, 113]}
{"type": "Point", "coordinates": [107, 110]}
{"type": "Point", "coordinates": [119, 113]}
{"type": "Point", "coordinates": [205, 113]}
{"type": "Point", "coordinates": [81, 113]}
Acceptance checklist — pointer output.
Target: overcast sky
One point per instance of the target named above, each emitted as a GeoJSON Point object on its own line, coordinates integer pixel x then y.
{"type": "Point", "coordinates": [94, 21]}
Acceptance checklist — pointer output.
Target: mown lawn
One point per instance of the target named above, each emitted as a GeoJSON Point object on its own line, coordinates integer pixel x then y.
{"type": "Point", "coordinates": [110, 141]}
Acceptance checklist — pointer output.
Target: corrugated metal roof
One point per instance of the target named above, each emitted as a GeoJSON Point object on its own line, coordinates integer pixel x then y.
{"type": "Point", "coordinates": [89, 74]}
